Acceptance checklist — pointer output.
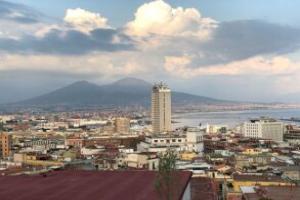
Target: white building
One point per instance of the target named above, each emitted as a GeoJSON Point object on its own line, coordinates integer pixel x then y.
{"type": "Point", "coordinates": [264, 128]}
{"type": "Point", "coordinates": [194, 139]}
{"type": "Point", "coordinates": [213, 129]}
{"type": "Point", "coordinates": [86, 151]}
{"type": "Point", "coordinates": [138, 160]}
{"type": "Point", "coordinates": [161, 108]}
{"type": "Point", "coordinates": [191, 141]}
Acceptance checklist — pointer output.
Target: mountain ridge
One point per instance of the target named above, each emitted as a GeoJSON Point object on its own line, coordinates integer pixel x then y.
{"type": "Point", "coordinates": [124, 92]}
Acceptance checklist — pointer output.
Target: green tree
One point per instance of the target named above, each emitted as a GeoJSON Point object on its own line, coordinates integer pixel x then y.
{"type": "Point", "coordinates": [167, 178]}
{"type": "Point", "coordinates": [1, 126]}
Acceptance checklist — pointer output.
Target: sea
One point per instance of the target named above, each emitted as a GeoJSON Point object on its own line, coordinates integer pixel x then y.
{"type": "Point", "coordinates": [233, 118]}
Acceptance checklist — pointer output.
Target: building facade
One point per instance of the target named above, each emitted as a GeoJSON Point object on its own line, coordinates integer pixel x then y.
{"type": "Point", "coordinates": [191, 141]}
{"type": "Point", "coordinates": [122, 125]}
{"type": "Point", "coordinates": [264, 128]}
{"type": "Point", "coordinates": [161, 108]}
{"type": "Point", "coordinates": [5, 144]}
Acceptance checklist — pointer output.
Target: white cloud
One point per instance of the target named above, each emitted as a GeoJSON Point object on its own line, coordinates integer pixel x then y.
{"type": "Point", "coordinates": [84, 20]}
{"type": "Point", "coordinates": [158, 17]}
{"type": "Point", "coordinates": [76, 19]}
{"type": "Point", "coordinates": [102, 64]}
{"type": "Point", "coordinates": [15, 30]}
{"type": "Point", "coordinates": [182, 66]}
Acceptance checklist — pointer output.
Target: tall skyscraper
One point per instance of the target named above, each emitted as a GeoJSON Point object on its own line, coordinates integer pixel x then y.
{"type": "Point", "coordinates": [161, 108]}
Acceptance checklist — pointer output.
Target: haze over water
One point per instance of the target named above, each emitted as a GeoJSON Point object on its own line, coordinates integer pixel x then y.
{"type": "Point", "coordinates": [232, 118]}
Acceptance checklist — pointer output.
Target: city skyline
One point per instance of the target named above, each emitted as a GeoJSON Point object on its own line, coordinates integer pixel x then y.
{"type": "Point", "coordinates": [149, 99]}
{"type": "Point", "coordinates": [208, 48]}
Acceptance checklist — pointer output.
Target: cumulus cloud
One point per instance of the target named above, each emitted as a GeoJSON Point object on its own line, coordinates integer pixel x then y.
{"type": "Point", "coordinates": [159, 18]}
{"type": "Point", "coordinates": [260, 66]}
{"type": "Point", "coordinates": [80, 32]}
{"type": "Point", "coordinates": [234, 41]}
{"type": "Point", "coordinates": [84, 20]}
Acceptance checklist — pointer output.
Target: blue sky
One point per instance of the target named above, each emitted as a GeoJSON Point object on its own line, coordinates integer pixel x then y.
{"type": "Point", "coordinates": [278, 11]}
{"type": "Point", "coordinates": [230, 49]}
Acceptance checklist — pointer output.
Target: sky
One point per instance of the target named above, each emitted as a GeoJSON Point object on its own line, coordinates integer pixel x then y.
{"type": "Point", "coordinates": [243, 50]}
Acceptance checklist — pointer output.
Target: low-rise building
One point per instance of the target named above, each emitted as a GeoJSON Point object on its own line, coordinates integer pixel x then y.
{"type": "Point", "coordinates": [122, 125]}
{"type": "Point", "coordinates": [271, 192]}
{"type": "Point", "coordinates": [244, 161]}
{"type": "Point", "coordinates": [240, 180]}
{"type": "Point", "coordinates": [191, 140]}
{"type": "Point", "coordinates": [148, 161]}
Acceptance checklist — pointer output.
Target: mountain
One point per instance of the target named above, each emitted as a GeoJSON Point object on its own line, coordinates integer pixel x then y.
{"type": "Point", "coordinates": [125, 92]}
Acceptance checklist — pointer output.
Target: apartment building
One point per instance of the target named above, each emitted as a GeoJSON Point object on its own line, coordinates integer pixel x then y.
{"type": "Point", "coordinates": [264, 128]}
{"type": "Point", "coordinates": [5, 144]}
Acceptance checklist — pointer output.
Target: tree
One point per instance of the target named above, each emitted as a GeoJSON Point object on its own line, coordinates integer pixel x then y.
{"type": "Point", "coordinates": [167, 179]}
{"type": "Point", "coordinates": [1, 126]}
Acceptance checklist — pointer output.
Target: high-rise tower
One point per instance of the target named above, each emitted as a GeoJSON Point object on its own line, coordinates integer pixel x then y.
{"type": "Point", "coordinates": [161, 108]}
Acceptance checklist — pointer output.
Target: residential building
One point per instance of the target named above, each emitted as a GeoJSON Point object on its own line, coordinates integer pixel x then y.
{"type": "Point", "coordinates": [240, 180]}
{"type": "Point", "coordinates": [122, 125]}
{"type": "Point", "coordinates": [291, 172]}
{"type": "Point", "coordinates": [292, 135]}
{"type": "Point", "coordinates": [191, 140]}
{"type": "Point", "coordinates": [146, 160]}
{"type": "Point", "coordinates": [75, 142]}
{"type": "Point", "coordinates": [161, 108]}
{"type": "Point", "coordinates": [162, 142]}
{"type": "Point", "coordinates": [242, 161]}
{"type": "Point", "coordinates": [5, 144]}
{"type": "Point", "coordinates": [194, 139]}
{"type": "Point", "coordinates": [214, 129]}
{"type": "Point", "coordinates": [271, 192]}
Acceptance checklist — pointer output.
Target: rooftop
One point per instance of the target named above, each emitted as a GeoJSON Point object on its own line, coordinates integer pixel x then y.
{"type": "Point", "coordinates": [246, 177]}
{"type": "Point", "coordinates": [92, 185]}
{"type": "Point", "coordinates": [274, 193]}
{"type": "Point", "coordinates": [203, 188]}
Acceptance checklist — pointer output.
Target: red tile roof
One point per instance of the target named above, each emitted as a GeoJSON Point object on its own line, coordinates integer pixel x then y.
{"type": "Point", "coordinates": [203, 188]}
{"type": "Point", "coordinates": [86, 185]}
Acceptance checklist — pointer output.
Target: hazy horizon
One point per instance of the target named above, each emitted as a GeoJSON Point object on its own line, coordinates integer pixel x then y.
{"type": "Point", "coordinates": [38, 92]}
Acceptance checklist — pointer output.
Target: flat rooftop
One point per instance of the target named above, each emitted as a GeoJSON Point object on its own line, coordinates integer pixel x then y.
{"type": "Point", "coordinates": [89, 185]}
